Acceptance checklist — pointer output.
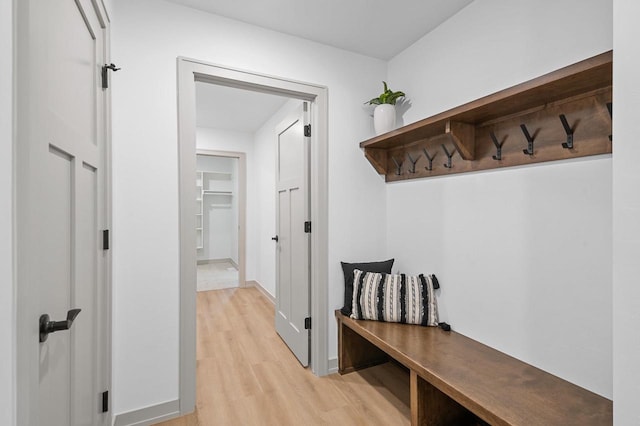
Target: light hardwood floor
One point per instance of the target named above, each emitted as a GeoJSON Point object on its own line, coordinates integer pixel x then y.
{"type": "Point", "coordinates": [246, 375]}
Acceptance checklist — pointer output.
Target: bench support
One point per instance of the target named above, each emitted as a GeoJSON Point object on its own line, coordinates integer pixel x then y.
{"type": "Point", "coordinates": [431, 407]}
{"type": "Point", "coordinates": [356, 352]}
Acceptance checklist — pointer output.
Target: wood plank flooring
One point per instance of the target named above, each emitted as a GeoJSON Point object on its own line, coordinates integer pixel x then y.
{"type": "Point", "coordinates": [246, 375]}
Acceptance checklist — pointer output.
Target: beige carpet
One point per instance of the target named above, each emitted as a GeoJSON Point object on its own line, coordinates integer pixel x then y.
{"type": "Point", "coordinates": [217, 276]}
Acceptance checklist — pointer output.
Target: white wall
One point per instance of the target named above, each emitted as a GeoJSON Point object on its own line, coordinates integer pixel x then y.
{"type": "Point", "coordinates": [147, 37]}
{"type": "Point", "coordinates": [523, 255]}
{"type": "Point", "coordinates": [7, 300]}
{"type": "Point", "coordinates": [626, 211]}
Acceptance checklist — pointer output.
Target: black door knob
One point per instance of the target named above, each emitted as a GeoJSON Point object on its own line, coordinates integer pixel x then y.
{"type": "Point", "coordinates": [275, 238]}
{"type": "Point", "coordinates": [47, 326]}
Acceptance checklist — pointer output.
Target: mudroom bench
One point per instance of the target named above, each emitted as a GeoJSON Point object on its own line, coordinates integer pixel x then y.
{"type": "Point", "coordinates": [455, 380]}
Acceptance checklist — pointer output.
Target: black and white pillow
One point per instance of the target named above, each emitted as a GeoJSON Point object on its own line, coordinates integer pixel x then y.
{"type": "Point", "coordinates": [395, 298]}
{"type": "Point", "coordinates": [348, 268]}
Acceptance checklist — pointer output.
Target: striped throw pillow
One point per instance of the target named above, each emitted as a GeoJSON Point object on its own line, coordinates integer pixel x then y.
{"type": "Point", "coordinates": [394, 298]}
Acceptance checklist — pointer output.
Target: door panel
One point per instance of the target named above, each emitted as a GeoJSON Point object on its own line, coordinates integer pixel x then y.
{"type": "Point", "coordinates": [299, 263]}
{"type": "Point", "coordinates": [72, 55]}
{"type": "Point", "coordinates": [55, 366]}
{"type": "Point", "coordinates": [85, 331]}
{"type": "Point", "coordinates": [283, 286]}
{"type": "Point", "coordinates": [61, 204]}
{"type": "Point", "coordinates": [292, 275]}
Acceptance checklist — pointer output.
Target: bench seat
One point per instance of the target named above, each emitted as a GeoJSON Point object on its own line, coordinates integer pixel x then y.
{"type": "Point", "coordinates": [453, 378]}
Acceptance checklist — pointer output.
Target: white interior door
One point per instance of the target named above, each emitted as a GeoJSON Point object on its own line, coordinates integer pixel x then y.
{"type": "Point", "coordinates": [293, 243]}
{"type": "Point", "coordinates": [61, 212]}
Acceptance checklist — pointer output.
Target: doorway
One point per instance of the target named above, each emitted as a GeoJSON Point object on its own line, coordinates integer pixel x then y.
{"type": "Point", "coordinates": [220, 219]}
{"type": "Point", "coordinates": [189, 73]}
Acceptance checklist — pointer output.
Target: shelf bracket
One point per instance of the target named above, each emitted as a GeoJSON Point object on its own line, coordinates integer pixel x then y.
{"type": "Point", "coordinates": [429, 158]}
{"type": "Point", "coordinates": [569, 143]}
{"type": "Point", "coordinates": [378, 158]}
{"type": "Point", "coordinates": [463, 136]}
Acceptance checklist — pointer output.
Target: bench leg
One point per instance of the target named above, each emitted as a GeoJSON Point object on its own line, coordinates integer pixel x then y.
{"type": "Point", "coordinates": [431, 407]}
{"type": "Point", "coordinates": [355, 352]}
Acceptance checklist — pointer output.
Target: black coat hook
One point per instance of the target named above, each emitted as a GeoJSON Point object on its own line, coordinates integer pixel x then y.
{"type": "Point", "coordinates": [449, 155]}
{"type": "Point", "coordinates": [413, 162]}
{"type": "Point", "coordinates": [529, 150]}
{"type": "Point", "coordinates": [610, 108]}
{"type": "Point", "coordinates": [398, 166]}
{"type": "Point", "coordinates": [429, 158]}
{"type": "Point", "coordinates": [498, 145]}
{"type": "Point", "coordinates": [569, 143]}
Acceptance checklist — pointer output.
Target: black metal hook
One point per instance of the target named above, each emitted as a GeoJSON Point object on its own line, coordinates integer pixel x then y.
{"type": "Point", "coordinates": [498, 145]}
{"type": "Point", "coordinates": [449, 155]}
{"type": "Point", "coordinates": [429, 158]}
{"type": "Point", "coordinates": [398, 166]}
{"type": "Point", "coordinates": [610, 108]}
{"type": "Point", "coordinates": [529, 150]}
{"type": "Point", "coordinates": [569, 143]}
{"type": "Point", "coordinates": [413, 162]}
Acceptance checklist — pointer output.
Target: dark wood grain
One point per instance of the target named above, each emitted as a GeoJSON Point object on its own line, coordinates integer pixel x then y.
{"type": "Point", "coordinates": [359, 353]}
{"type": "Point", "coordinates": [587, 114]}
{"type": "Point", "coordinates": [581, 90]}
{"type": "Point", "coordinates": [431, 407]}
{"type": "Point", "coordinates": [496, 387]}
{"type": "Point", "coordinates": [463, 137]}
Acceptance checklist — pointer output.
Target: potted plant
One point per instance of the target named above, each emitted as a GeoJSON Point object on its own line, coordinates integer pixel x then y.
{"type": "Point", "coordinates": [384, 115]}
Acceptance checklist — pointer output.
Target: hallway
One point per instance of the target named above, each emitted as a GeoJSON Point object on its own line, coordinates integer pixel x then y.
{"type": "Point", "coordinates": [247, 376]}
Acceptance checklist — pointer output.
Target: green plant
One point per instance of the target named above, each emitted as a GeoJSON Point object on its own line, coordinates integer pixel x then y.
{"type": "Point", "coordinates": [387, 97]}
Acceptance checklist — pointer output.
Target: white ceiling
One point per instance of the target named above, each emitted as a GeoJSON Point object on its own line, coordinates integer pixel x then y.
{"type": "Point", "coordinates": [228, 108]}
{"type": "Point", "coordinates": [376, 28]}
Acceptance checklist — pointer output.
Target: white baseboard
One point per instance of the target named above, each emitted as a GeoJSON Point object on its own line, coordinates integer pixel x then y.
{"type": "Point", "coordinates": [149, 415]}
{"type": "Point", "coordinates": [332, 365]}
{"type": "Point", "coordinates": [262, 290]}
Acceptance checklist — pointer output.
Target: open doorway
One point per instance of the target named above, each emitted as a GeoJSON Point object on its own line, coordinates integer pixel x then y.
{"type": "Point", "coordinates": [220, 213]}
{"type": "Point", "coordinates": [191, 74]}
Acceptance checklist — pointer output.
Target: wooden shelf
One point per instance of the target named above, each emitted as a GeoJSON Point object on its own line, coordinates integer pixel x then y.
{"type": "Point", "coordinates": [580, 91]}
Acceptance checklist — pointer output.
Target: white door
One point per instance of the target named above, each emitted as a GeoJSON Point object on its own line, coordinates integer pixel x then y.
{"type": "Point", "coordinates": [61, 212]}
{"type": "Point", "coordinates": [293, 243]}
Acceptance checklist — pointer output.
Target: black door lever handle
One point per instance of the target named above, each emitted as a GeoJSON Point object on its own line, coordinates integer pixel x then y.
{"type": "Point", "coordinates": [275, 238]}
{"type": "Point", "coordinates": [47, 326]}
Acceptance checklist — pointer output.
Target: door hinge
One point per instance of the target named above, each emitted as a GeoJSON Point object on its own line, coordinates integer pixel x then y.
{"type": "Point", "coordinates": [105, 74]}
{"type": "Point", "coordinates": [307, 130]}
{"type": "Point", "coordinates": [105, 239]}
{"type": "Point", "coordinates": [307, 323]}
{"type": "Point", "coordinates": [105, 401]}
{"type": "Point", "coordinates": [307, 227]}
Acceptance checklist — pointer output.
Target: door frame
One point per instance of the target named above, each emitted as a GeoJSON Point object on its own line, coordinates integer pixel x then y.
{"type": "Point", "coordinates": [190, 71]}
{"type": "Point", "coordinates": [242, 207]}
{"type": "Point", "coordinates": [25, 379]}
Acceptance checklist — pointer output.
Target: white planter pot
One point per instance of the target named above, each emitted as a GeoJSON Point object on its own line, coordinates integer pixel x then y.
{"type": "Point", "coordinates": [384, 118]}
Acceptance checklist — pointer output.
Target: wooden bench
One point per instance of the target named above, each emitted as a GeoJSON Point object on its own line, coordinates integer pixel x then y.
{"type": "Point", "coordinates": [455, 380]}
